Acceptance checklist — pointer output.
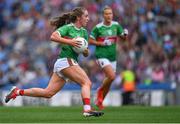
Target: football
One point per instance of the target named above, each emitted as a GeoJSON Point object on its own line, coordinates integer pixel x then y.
{"type": "Point", "coordinates": [84, 45]}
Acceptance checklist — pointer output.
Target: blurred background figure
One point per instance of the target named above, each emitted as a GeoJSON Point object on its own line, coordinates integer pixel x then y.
{"type": "Point", "coordinates": [128, 84]}
{"type": "Point", "coordinates": [157, 75]}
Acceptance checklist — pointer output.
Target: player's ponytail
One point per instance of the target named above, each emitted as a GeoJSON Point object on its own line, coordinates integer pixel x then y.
{"type": "Point", "coordinates": [67, 18]}
{"type": "Point", "coordinates": [60, 20]}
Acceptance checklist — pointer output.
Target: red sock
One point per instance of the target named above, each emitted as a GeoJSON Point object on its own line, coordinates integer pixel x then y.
{"type": "Point", "coordinates": [100, 94]}
{"type": "Point", "coordinates": [21, 92]}
{"type": "Point", "coordinates": [86, 101]}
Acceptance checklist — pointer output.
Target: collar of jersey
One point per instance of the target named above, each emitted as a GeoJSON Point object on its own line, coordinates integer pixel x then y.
{"type": "Point", "coordinates": [106, 25]}
{"type": "Point", "coordinates": [75, 27]}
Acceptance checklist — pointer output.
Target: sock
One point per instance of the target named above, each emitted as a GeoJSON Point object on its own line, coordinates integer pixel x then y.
{"type": "Point", "coordinates": [100, 94]}
{"type": "Point", "coordinates": [86, 102]}
{"type": "Point", "coordinates": [20, 92]}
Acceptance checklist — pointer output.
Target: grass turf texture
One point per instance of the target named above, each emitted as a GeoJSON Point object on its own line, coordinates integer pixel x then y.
{"type": "Point", "coordinates": [128, 114]}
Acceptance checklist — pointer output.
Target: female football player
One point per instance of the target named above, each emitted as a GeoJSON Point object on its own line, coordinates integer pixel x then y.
{"type": "Point", "coordinates": [104, 36]}
{"type": "Point", "coordinates": [68, 26]}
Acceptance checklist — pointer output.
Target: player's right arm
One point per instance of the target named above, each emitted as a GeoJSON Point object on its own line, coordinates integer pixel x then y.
{"type": "Point", "coordinates": [94, 42]}
{"type": "Point", "coordinates": [93, 36]}
{"type": "Point", "coordinates": [57, 36]}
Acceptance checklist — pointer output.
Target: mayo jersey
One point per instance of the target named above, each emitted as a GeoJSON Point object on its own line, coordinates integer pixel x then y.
{"type": "Point", "coordinates": [102, 32]}
{"type": "Point", "coordinates": [69, 31]}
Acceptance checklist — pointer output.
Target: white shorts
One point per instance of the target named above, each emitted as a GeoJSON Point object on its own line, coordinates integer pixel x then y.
{"type": "Point", "coordinates": [63, 63]}
{"type": "Point", "coordinates": [104, 62]}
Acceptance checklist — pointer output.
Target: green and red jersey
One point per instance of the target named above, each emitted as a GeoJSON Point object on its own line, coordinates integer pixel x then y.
{"type": "Point", "coordinates": [101, 32]}
{"type": "Point", "coordinates": [69, 31]}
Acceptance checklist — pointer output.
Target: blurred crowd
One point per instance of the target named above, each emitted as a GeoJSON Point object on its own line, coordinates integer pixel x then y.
{"type": "Point", "coordinates": [152, 50]}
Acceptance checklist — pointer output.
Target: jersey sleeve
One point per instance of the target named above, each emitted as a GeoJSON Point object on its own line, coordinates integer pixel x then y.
{"type": "Point", "coordinates": [119, 29]}
{"type": "Point", "coordinates": [63, 31]}
{"type": "Point", "coordinates": [94, 33]}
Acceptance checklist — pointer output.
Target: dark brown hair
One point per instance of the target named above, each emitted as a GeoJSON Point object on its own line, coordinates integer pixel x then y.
{"type": "Point", "coordinates": [67, 18]}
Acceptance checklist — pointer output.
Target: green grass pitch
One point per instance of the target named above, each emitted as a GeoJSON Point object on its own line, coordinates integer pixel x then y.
{"type": "Point", "coordinates": [125, 114]}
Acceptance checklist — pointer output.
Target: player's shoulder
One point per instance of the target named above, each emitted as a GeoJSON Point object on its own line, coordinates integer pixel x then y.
{"type": "Point", "coordinates": [65, 26]}
{"type": "Point", "coordinates": [115, 23]}
{"type": "Point", "coordinates": [69, 25]}
{"type": "Point", "coordinates": [99, 25]}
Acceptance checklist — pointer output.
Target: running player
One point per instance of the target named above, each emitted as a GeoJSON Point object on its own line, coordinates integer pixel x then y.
{"type": "Point", "coordinates": [68, 26]}
{"type": "Point", "coordinates": [104, 36]}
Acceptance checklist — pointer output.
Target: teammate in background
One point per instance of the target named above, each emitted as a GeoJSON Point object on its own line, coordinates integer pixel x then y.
{"type": "Point", "coordinates": [68, 26]}
{"type": "Point", "coordinates": [104, 35]}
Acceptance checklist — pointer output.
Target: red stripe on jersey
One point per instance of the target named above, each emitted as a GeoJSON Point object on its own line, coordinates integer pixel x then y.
{"type": "Point", "coordinates": [111, 38]}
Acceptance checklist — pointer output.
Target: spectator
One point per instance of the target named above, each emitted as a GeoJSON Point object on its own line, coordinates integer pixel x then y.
{"type": "Point", "coordinates": [128, 86]}
{"type": "Point", "coordinates": [158, 75]}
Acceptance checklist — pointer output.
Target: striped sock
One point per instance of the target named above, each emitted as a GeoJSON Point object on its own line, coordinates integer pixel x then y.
{"type": "Point", "coordinates": [86, 102]}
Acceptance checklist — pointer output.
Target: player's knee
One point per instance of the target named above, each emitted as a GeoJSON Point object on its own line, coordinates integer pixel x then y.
{"type": "Point", "coordinates": [49, 94]}
{"type": "Point", "coordinates": [112, 77]}
{"type": "Point", "coordinates": [86, 83]}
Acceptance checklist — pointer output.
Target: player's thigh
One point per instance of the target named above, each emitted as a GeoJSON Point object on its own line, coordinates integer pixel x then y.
{"type": "Point", "coordinates": [76, 74]}
{"type": "Point", "coordinates": [109, 71]}
{"type": "Point", "coordinates": [108, 67]}
{"type": "Point", "coordinates": [55, 83]}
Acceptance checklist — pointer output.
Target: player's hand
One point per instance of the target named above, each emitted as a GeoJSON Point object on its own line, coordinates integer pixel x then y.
{"type": "Point", "coordinates": [75, 43]}
{"type": "Point", "coordinates": [125, 33]}
{"type": "Point", "coordinates": [86, 52]}
{"type": "Point", "coordinates": [107, 42]}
